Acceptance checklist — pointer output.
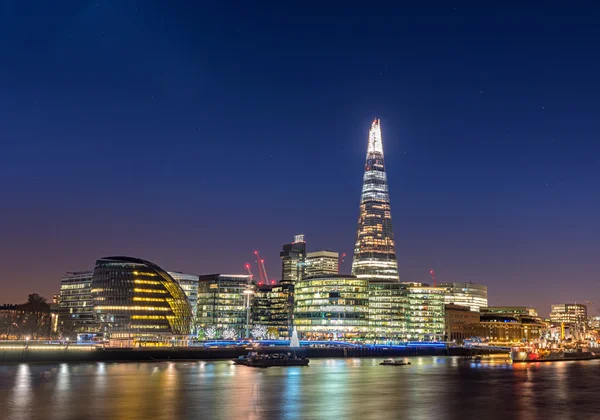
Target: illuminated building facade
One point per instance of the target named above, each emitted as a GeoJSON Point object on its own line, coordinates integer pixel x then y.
{"type": "Point", "coordinates": [273, 306]}
{"type": "Point", "coordinates": [459, 321]}
{"type": "Point", "coordinates": [472, 295]}
{"type": "Point", "coordinates": [134, 298]}
{"type": "Point", "coordinates": [320, 263]}
{"type": "Point", "coordinates": [510, 310]}
{"type": "Point", "coordinates": [504, 329]}
{"type": "Point", "coordinates": [375, 249]}
{"type": "Point", "coordinates": [222, 303]}
{"type": "Point", "coordinates": [293, 259]}
{"type": "Point", "coordinates": [189, 284]}
{"type": "Point", "coordinates": [332, 307]}
{"type": "Point", "coordinates": [425, 313]}
{"type": "Point", "coordinates": [388, 304]}
{"type": "Point", "coordinates": [76, 306]}
{"type": "Point", "coordinates": [568, 314]}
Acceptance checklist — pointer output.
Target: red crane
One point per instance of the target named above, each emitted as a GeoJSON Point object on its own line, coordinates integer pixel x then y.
{"type": "Point", "coordinates": [340, 262]}
{"type": "Point", "coordinates": [249, 271]}
{"type": "Point", "coordinates": [433, 277]}
{"type": "Point", "coordinates": [261, 269]}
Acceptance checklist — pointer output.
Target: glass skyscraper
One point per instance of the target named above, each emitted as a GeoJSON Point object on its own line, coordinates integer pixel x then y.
{"type": "Point", "coordinates": [375, 249]}
{"type": "Point", "coordinates": [293, 257]}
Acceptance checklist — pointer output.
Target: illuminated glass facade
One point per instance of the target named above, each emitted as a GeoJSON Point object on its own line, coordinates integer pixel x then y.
{"type": "Point", "coordinates": [425, 313]}
{"type": "Point", "coordinates": [472, 295]}
{"type": "Point", "coordinates": [388, 303]}
{"type": "Point", "coordinates": [222, 303]}
{"type": "Point", "coordinates": [375, 249]}
{"type": "Point", "coordinates": [272, 306]}
{"type": "Point", "coordinates": [189, 284]}
{"type": "Point", "coordinates": [568, 314]}
{"type": "Point", "coordinates": [135, 298]}
{"type": "Point", "coordinates": [76, 310]}
{"type": "Point", "coordinates": [293, 257]}
{"type": "Point", "coordinates": [321, 263]}
{"type": "Point", "coordinates": [332, 307]}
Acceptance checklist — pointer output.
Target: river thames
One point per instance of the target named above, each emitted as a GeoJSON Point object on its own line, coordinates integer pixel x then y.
{"type": "Point", "coordinates": [430, 388]}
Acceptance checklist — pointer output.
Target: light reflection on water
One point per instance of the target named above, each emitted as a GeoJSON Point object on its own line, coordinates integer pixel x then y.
{"type": "Point", "coordinates": [431, 387]}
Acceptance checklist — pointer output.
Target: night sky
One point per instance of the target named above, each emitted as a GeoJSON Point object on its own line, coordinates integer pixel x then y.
{"type": "Point", "coordinates": [192, 133]}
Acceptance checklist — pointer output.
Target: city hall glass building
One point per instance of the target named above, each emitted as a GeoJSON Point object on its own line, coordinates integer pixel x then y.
{"type": "Point", "coordinates": [136, 298]}
{"type": "Point", "coordinates": [332, 307]}
{"type": "Point", "coordinates": [375, 249]}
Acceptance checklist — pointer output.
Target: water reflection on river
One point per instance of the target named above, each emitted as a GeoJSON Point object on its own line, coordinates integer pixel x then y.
{"type": "Point", "coordinates": [329, 388]}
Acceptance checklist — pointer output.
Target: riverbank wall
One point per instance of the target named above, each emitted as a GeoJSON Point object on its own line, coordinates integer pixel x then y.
{"type": "Point", "coordinates": [62, 354]}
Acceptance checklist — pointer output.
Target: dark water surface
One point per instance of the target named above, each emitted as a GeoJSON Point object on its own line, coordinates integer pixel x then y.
{"type": "Point", "coordinates": [431, 388]}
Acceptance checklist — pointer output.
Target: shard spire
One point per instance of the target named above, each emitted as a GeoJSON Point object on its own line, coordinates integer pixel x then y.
{"type": "Point", "coordinates": [375, 249]}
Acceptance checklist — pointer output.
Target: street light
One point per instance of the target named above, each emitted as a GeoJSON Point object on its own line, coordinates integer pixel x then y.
{"type": "Point", "coordinates": [248, 292]}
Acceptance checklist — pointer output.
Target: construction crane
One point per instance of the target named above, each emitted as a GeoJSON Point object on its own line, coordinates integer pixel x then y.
{"type": "Point", "coordinates": [340, 262]}
{"type": "Point", "coordinates": [433, 277]}
{"type": "Point", "coordinates": [260, 273]}
{"type": "Point", "coordinates": [262, 263]}
{"type": "Point", "coordinates": [249, 271]}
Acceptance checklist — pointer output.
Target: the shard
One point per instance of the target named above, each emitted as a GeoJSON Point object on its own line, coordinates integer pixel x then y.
{"type": "Point", "coordinates": [375, 249]}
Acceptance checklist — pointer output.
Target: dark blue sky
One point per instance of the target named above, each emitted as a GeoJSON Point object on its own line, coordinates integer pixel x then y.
{"type": "Point", "coordinates": [192, 133]}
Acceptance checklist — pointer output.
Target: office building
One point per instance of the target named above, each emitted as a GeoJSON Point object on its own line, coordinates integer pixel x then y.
{"type": "Point", "coordinates": [569, 314]}
{"type": "Point", "coordinates": [293, 259]}
{"type": "Point", "coordinates": [510, 310]}
{"type": "Point", "coordinates": [332, 307]}
{"type": "Point", "coordinates": [425, 313]}
{"type": "Point", "coordinates": [388, 304]}
{"type": "Point", "coordinates": [136, 299]}
{"type": "Point", "coordinates": [459, 322]}
{"type": "Point", "coordinates": [222, 304]}
{"type": "Point", "coordinates": [272, 306]}
{"type": "Point", "coordinates": [471, 295]}
{"type": "Point", "coordinates": [504, 329]}
{"type": "Point", "coordinates": [321, 263]}
{"type": "Point", "coordinates": [375, 249]}
{"type": "Point", "coordinates": [189, 284]}
{"type": "Point", "coordinates": [76, 307]}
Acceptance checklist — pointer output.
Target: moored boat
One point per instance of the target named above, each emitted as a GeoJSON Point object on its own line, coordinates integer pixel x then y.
{"type": "Point", "coordinates": [392, 362]}
{"type": "Point", "coordinates": [533, 355]}
{"type": "Point", "coordinates": [271, 359]}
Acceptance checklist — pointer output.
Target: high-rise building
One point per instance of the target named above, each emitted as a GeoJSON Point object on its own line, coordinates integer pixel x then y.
{"type": "Point", "coordinates": [332, 307]}
{"type": "Point", "coordinates": [568, 314]}
{"type": "Point", "coordinates": [189, 284]}
{"type": "Point", "coordinates": [375, 249]}
{"type": "Point", "coordinates": [387, 311]}
{"type": "Point", "coordinates": [425, 313]}
{"type": "Point", "coordinates": [293, 258]}
{"type": "Point", "coordinates": [222, 304]}
{"type": "Point", "coordinates": [135, 299]}
{"type": "Point", "coordinates": [472, 295]}
{"type": "Point", "coordinates": [76, 306]}
{"type": "Point", "coordinates": [320, 263]}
